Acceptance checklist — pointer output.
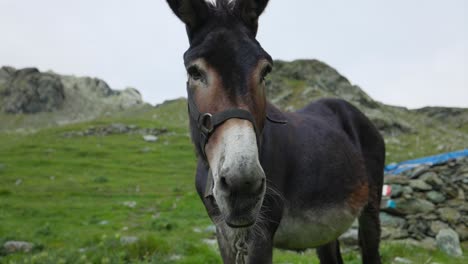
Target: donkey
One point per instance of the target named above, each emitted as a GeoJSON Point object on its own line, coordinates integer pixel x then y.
{"type": "Point", "coordinates": [268, 178]}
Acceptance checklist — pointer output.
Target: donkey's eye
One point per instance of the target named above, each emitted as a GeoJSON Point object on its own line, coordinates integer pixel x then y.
{"type": "Point", "coordinates": [195, 73]}
{"type": "Point", "coordinates": [265, 72]}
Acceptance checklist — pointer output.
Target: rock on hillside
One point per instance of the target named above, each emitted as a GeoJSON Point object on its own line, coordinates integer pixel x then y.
{"type": "Point", "coordinates": [30, 91]}
{"type": "Point", "coordinates": [67, 98]}
{"type": "Point", "coordinates": [294, 84]}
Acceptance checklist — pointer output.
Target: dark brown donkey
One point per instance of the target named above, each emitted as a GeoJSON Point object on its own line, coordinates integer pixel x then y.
{"type": "Point", "coordinates": [268, 178]}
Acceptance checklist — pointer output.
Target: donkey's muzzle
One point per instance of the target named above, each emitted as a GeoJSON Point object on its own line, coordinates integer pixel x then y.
{"type": "Point", "coordinates": [242, 184]}
{"type": "Point", "coordinates": [243, 194]}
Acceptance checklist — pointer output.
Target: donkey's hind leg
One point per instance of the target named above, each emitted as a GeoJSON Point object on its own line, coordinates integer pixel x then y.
{"type": "Point", "coordinates": [369, 234]}
{"type": "Point", "coordinates": [330, 253]}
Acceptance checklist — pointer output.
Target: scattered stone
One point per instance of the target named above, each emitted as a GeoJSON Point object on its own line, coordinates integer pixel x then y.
{"type": "Point", "coordinates": [210, 242]}
{"type": "Point", "coordinates": [435, 196]}
{"type": "Point", "coordinates": [420, 185]}
{"type": "Point", "coordinates": [390, 220]}
{"type": "Point", "coordinates": [104, 222]}
{"type": "Point", "coordinates": [402, 260]}
{"type": "Point", "coordinates": [115, 129]}
{"type": "Point", "coordinates": [128, 240]}
{"type": "Point", "coordinates": [449, 242]}
{"type": "Point", "coordinates": [396, 179]}
{"type": "Point", "coordinates": [146, 150]}
{"type": "Point", "coordinates": [450, 191]}
{"type": "Point", "coordinates": [415, 206]}
{"type": "Point", "coordinates": [461, 195]}
{"type": "Point", "coordinates": [462, 231]}
{"type": "Point", "coordinates": [2, 167]}
{"type": "Point", "coordinates": [407, 190]}
{"type": "Point", "coordinates": [428, 243]}
{"type": "Point", "coordinates": [397, 191]}
{"type": "Point", "coordinates": [210, 229]}
{"type": "Point", "coordinates": [130, 204]}
{"type": "Point", "coordinates": [394, 233]}
{"type": "Point", "coordinates": [418, 171]}
{"type": "Point", "coordinates": [431, 178]}
{"type": "Point", "coordinates": [430, 216]}
{"type": "Point", "coordinates": [449, 214]}
{"type": "Point", "coordinates": [436, 226]}
{"type": "Point", "coordinates": [150, 138]}
{"type": "Point", "coordinates": [417, 228]}
{"type": "Point", "coordinates": [350, 237]}
{"type": "Point", "coordinates": [17, 246]}
{"type": "Point", "coordinates": [18, 182]}
{"type": "Point", "coordinates": [175, 257]}
{"type": "Point", "coordinates": [197, 230]}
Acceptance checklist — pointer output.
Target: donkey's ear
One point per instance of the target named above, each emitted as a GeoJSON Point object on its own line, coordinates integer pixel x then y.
{"type": "Point", "coordinates": [192, 12]}
{"type": "Point", "coordinates": [250, 11]}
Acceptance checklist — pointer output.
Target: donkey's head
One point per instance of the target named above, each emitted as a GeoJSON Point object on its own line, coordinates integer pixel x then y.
{"type": "Point", "coordinates": [226, 91]}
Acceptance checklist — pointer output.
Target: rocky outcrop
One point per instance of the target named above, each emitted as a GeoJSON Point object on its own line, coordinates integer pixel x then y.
{"type": "Point", "coordinates": [294, 84]}
{"type": "Point", "coordinates": [29, 91]}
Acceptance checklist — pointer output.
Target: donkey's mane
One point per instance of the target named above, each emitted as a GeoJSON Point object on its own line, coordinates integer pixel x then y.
{"type": "Point", "coordinates": [223, 6]}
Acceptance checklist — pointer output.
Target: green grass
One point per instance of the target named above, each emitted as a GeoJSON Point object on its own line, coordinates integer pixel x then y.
{"type": "Point", "coordinates": [67, 195]}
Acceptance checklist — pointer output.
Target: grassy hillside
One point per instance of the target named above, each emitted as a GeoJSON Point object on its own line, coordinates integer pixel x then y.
{"type": "Point", "coordinates": [80, 198]}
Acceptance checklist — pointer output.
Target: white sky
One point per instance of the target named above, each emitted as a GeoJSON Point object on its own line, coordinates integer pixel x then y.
{"type": "Point", "coordinates": [403, 52]}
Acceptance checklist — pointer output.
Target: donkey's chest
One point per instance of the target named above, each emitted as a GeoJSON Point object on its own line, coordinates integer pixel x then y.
{"type": "Point", "coordinates": [312, 228]}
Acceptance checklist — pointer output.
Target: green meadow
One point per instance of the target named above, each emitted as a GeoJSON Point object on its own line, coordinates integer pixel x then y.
{"type": "Point", "coordinates": [81, 199]}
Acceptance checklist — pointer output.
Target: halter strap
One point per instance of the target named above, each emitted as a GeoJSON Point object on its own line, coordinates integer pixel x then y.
{"type": "Point", "coordinates": [207, 122]}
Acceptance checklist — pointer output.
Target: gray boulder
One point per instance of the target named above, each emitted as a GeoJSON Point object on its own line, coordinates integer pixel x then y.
{"type": "Point", "coordinates": [435, 197]}
{"type": "Point", "coordinates": [436, 226]}
{"type": "Point", "coordinates": [449, 215]}
{"type": "Point", "coordinates": [420, 185]}
{"type": "Point", "coordinates": [350, 237]}
{"type": "Point", "coordinates": [29, 91]}
{"type": "Point", "coordinates": [50, 99]}
{"type": "Point", "coordinates": [150, 138]}
{"type": "Point", "coordinates": [448, 241]}
{"type": "Point", "coordinates": [390, 220]}
{"type": "Point", "coordinates": [415, 206]}
{"type": "Point", "coordinates": [128, 240]}
{"type": "Point", "coordinates": [17, 246]}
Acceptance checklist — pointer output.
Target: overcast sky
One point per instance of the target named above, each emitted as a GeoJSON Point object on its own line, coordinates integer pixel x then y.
{"type": "Point", "coordinates": [410, 53]}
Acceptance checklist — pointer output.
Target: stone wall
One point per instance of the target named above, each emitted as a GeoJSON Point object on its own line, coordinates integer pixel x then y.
{"type": "Point", "coordinates": [427, 207]}
{"type": "Point", "coordinates": [425, 200]}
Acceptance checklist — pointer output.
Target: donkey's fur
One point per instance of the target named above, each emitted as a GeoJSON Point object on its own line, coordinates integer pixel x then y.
{"type": "Point", "coordinates": [323, 164]}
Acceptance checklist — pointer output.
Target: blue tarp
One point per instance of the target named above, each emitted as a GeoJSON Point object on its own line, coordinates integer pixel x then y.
{"type": "Point", "coordinates": [397, 168]}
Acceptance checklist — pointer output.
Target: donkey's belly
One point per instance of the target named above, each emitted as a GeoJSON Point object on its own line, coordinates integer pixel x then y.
{"type": "Point", "coordinates": [312, 228]}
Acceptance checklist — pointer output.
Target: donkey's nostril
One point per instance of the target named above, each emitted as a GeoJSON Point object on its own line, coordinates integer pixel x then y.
{"type": "Point", "coordinates": [223, 183]}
